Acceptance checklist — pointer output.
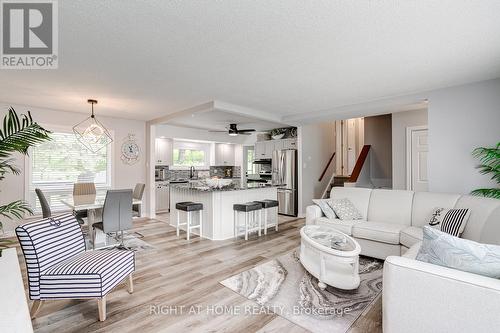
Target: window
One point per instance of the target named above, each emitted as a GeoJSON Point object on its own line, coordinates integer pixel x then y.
{"type": "Point", "coordinates": [187, 154]}
{"type": "Point", "coordinates": [251, 167]}
{"type": "Point", "coordinates": [56, 165]}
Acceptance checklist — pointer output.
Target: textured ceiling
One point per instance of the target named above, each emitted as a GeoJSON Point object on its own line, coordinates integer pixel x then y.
{"type": "Point", "coordinates": [144, 60]}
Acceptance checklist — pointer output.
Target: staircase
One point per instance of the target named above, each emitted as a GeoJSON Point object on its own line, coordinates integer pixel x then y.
{"type": "Point", "coordinates": [338, 181]}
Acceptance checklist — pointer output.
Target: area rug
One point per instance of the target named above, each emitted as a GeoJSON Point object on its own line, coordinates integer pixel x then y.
{"type": "Point", "coordinates": [284, 287]}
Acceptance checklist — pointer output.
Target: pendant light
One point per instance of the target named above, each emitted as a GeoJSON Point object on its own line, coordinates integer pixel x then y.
{"type": "Point", "coordinates": [91, 132]}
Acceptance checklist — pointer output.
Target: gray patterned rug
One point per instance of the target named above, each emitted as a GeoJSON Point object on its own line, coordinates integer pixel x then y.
{"type": "Point", "coordinates": [283, 286]}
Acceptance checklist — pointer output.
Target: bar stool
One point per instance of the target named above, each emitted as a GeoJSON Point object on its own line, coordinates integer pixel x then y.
{"type": "Point", "coordinates": [189, 207]}
{"type": "Point", "coordinates": [250, 209]}
{"type": "Point", "coordinates": [266, 205]}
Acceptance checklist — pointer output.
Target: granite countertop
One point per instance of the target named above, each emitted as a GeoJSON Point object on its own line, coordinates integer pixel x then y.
{"type": "Point", "coordinates": [236, 186]}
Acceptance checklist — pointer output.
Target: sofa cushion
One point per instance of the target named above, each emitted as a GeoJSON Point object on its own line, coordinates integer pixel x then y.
{"type": "Point", "coordinates": [410, 236]}
{"type": "Point", "coordinates": [443, 249]}
{"type": "Point", "coordinates": [360, 197]}
{"type": "Point", "coordinates": [344, 226]}
{"type": "Point", "coordinates": [345, 209]}
{"type": "Point", "coordinates": [425, 202]}
{"type": "Point", "coordinates": [390, 206]}
{"type": "Point", "coordinates": [325, 207]}
{"type": "Point", "coordinates": [482, 225]}
{"type": "Point", "coordinates": [378, 231]}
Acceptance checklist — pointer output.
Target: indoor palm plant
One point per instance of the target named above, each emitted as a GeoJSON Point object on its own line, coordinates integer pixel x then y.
{"type": "Point", "coordinates": [490, 165]}
{"type": "Point", "coordinates": [17, 134]}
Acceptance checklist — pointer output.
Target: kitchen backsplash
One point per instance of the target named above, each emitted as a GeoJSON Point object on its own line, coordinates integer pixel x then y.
{"type": "Point", "coordinates": [214, 171]}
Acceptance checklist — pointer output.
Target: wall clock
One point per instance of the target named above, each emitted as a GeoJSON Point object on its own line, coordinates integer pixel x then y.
{"type": "Point", "coordinates": [130, 150]}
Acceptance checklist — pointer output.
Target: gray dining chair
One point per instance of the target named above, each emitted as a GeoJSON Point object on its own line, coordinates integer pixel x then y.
{"type": "Point", "coordinates": [82, 189]}
{"type": "Point", "coordinates": [46, 212]}
{"type": "Point", "coordinates": [116, 214]}
{"type": "Point", "coordinates": [137, 195]}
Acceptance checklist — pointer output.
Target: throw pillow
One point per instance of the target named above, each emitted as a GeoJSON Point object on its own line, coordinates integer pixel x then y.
{"type": "Point", "coordinates": [442, 249]}
{"type": "Point", "coordinates": [344, 209]}
{"type": "Point", "coordinates": [325, 208]}
{"type": "Point", "coordinates": [452, 221]}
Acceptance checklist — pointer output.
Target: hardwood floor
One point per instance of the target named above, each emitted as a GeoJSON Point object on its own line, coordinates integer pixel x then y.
{"type": "Point", "coordinates": [178, 276]}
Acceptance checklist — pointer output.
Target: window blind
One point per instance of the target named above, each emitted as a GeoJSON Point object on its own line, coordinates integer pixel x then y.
{"type": "Point", "coordinates": [56, 165]}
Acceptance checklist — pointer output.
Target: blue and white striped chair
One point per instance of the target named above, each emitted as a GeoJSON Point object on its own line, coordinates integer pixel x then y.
{"type": "Point", "coordinates": [59, 267]}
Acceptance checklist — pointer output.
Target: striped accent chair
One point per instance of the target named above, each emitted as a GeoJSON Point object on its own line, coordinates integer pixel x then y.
{"type": "Point", "coordinates": [58, 266]}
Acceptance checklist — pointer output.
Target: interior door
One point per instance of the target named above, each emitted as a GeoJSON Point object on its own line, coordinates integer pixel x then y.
{"type": "Point", "coordinates": [418, 160]}
{"type": "Point", "coordinates": [351, 145]}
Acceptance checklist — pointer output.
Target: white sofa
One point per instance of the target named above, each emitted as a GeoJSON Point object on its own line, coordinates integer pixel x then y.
{"type": "Point", "coordinates": [418, 296]}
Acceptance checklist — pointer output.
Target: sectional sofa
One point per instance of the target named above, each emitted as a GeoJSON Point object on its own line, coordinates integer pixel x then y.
{"type": "Point", "coordinates": [418, 296]}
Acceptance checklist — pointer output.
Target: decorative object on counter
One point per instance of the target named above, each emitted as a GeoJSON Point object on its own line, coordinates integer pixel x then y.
{"type": "Point", "coordinates": [130, 150]}
{"type": "Point", "coordinates": [216, 182]}
{"type": "Point", "coordinates": [91, 132]}
{"type": "Point", "coordinates": [16, 136]}
{"type": "Point", "coordinates": [489, 157]}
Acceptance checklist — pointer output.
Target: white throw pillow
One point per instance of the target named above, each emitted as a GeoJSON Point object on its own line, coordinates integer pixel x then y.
{"type": "Point", "coordinates": [325, 207]}
{"type": "Point", "coordinates": [449, 220]}
{"type": "Point", "coordinates": [344, 209]}
{"type": "Point", "coordinates": [443, 249]}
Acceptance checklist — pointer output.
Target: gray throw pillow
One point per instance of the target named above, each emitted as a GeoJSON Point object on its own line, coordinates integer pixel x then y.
{"type": "Point", "coordinates": [443, 249]}
{"type": "Point", "coordinates": [325, 208]}
{"type": "Point", "coordinates": [344, 209]}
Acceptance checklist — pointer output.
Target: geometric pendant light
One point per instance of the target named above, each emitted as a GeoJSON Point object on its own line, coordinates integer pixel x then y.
{"type": "Point", "coordinates": [91, 133]}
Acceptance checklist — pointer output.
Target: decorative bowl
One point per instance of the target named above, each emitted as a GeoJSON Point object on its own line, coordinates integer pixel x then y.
{"type": "Point", "coordinates": [217, 182]}
{"type": "Point", "coordinates": [278, 136]}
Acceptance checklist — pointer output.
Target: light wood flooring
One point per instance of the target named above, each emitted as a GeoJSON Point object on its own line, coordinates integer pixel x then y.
{"type": "Point", "coordinates": [180, 273]}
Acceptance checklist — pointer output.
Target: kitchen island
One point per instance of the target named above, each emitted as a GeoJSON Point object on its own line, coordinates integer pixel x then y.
{"type": "Point", "coordinates": [218, 216]}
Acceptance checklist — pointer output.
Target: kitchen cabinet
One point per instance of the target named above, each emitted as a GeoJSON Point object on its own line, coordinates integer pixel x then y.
{"type": "Point", "coordinates": [163, 151]}
{"type": "Point", "coordinates": [264, 149]}
{"type": "Point", "coordinates": [224, 154]}
{"type": "Point", "coordinates": [162, 197]}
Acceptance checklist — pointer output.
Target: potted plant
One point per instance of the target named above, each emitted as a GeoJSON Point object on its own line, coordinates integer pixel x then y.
{"type": "Point", "coordinates": [278, 133]}
{"type": "Point", "coordinates": [489, 157]}
{"type": "Point", "coordinates": [16, 135]}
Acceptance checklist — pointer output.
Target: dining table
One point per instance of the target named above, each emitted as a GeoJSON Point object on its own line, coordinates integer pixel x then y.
{"type": "Point", "coordinates": [91, 203]}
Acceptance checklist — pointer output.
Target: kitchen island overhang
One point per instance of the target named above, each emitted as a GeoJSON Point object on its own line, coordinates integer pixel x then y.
{"type": "Point", "coordinates": [218, 215]}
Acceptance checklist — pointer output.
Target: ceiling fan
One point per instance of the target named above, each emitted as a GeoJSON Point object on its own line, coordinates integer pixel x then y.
{"type": "Point", "coordinates": [233, 130]}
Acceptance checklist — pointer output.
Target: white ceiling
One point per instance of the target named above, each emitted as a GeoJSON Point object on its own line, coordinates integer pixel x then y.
{"type": "Point", "coordinates": [144, 60]}
{"type": "Point", "coordinates": [219, 120]}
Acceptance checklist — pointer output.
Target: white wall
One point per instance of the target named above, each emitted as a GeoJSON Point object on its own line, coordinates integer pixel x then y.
{"type": "Point", "coordinates": [125, 176]}
{"type": "Point", "coordinates": [316, 145]}
{"type": "Point", "coordinates": [400, 121]}
{"type": "Point", "coordinates": [378, 134]}
{"type": "Point", "coordinates": [461, 119]}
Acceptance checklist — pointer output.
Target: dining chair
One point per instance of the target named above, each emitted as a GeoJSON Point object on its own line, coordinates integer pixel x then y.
{"type": "Point", "coordinates": [137, 195]}
{"type": "Point", "coordinates": [116, 214]}
{"type": "Point", "coordinates": [46, 212]}
{"type": "Point", "coordinates": [58, 267]}
{"type": "Point", "coordinates": [82, 189]}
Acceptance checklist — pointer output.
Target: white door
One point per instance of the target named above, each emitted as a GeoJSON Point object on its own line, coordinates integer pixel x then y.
{"type": "Point", "coordinates": [419, 150]}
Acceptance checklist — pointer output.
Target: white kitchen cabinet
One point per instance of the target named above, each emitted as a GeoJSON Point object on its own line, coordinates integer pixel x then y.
{"type": "Point", "coordinates": [163, 151]}
{"type": "Point", "coordinates": [289, 143]}
{"type": "Point", "coordinates": [224, 154]}
{"type": "Point", "coordinates": [264, 149]}
{"type": "Point", "coordinates": [162, 197]}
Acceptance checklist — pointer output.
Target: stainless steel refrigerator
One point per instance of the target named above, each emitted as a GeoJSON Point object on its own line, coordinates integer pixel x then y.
{"type": "Point", "coordinates": [284, 174]}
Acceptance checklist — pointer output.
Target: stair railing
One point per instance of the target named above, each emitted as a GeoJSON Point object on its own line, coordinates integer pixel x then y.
{"type": "Point", "coordinates": [331, 177]}
{"type": "Point", "coordinates": [326, 167]}
{"type": "Point", "coordinates": [359, 164]}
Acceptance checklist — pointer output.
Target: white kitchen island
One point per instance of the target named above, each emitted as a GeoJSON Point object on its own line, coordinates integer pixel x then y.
{"type": "Point", "coordinates": [218, 216]}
